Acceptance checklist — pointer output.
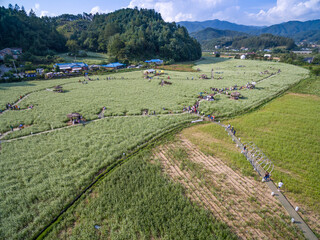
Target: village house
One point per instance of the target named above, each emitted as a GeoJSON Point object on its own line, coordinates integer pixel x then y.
{"type": "Point", "coordinates": [14, 52]}
{"type": "Point", "coordinates": [71, 67]}
{"type": "Point", "coordinates": [112, 66]}
{"type": "Point", "coordinates": [155, 61]}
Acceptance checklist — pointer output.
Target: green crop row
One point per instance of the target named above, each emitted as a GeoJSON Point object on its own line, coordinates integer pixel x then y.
{"type": "Point", "coordinates": [41, 174]}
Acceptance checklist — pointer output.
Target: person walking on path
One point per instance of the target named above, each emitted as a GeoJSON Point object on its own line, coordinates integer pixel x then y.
{"type": "Point", "coordinates": [280, 184]}
{"type": "Point", "coordinates": [11, 127]}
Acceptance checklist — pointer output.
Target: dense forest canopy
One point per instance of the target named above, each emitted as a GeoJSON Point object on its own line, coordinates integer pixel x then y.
{"type": "Point", "coordinates": [29, 32]}
{"type": "Point", "coordinates": [126, 34]}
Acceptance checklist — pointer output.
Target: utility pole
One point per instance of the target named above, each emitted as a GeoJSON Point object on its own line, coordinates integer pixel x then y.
{"type": "Point", "coordinates": [14, 66]}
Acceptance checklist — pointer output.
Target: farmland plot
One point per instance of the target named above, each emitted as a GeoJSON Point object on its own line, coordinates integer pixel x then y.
{"type": "Point", "coordinates": [129, 93]}
{"type": "Point", "coordinates": [41, 174]}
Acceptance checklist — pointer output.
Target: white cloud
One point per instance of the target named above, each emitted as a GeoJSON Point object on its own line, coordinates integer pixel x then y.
{"type": "Point", "coordinates": [97, 9]}
{"type": "Point", "coordinates": [286, 10]}
{"type": "Point", "coordinates": [183, 10]}
{"type": "Point", "coordinates": [37, 6]}
{"type": "Point", "coordinates": [46, 13]}
{"type": "Point", "coordinates": [231, 10]}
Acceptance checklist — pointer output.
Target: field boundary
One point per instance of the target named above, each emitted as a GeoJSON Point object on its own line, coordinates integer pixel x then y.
{"type": "Point", "coordinates": [108, 170]}
{"type": "Point", "coordinates": [298, 220]}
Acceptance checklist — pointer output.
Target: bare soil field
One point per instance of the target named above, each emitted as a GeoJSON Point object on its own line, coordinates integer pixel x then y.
{"type": "Point", "coordinates": [243, 203]}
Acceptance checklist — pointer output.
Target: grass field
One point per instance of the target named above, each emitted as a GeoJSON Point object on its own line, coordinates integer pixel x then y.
{"type": "Point", "coordinates": [41, 174]}
{"type": "Point", "coordinates": [137, 202]}
{"type": "Point", "coordinates": [119, 94]}
{"type": "Point", "coordinates": [288, 130]}
{"type": "Point", "coordinates": [92, 58]}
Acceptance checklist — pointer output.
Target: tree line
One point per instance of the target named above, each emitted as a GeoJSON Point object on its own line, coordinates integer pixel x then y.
{"type": "Point", "coordinates": [126, 34]}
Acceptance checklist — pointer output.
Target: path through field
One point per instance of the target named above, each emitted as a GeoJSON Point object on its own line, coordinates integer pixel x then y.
{"type": "Point", "coordinates": [243, 203]}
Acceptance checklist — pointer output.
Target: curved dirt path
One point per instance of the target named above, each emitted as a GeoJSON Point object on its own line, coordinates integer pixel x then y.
{"type": "Point", "coordinates": [77, 125]}
{"type": "Point", "coordinates": [243, 203]}
{"type": "Point", "coordinates": [16, 103]}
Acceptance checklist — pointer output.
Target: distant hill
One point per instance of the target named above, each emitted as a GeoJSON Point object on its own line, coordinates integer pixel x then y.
{"type": "Point", "coordinates": [217, 24]}
{"type": "Point", "coordinates": [210, 33]}
{"type": "Point", "coordinates": [299, 31]}
{"type": "Point", "coordinates": [289, 29]}
{"type": "Point", "coordinates": [309, 36]}
{"type": "Point", "coordinates": [209, 38]}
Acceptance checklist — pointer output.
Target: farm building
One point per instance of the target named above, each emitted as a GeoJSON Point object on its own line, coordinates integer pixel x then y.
{"type": "Point", "coordinates": [149, 71]}
{"type": "Point", "coordinates": [71, 67]}
{"type": "Point", "coordinates": [94, 67]}
{"type": "Point", "coordinates": [112, 66]}
{"type": "Point", "coordinates": [14, 52]}
{"type": "Point", "coordinates": [155, 61]}
{"type": "Point", "coordinates": [31, 73]}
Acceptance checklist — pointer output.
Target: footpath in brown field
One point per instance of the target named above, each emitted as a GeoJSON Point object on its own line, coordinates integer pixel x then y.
{"type": "Point", "coordinates": [243, 203]}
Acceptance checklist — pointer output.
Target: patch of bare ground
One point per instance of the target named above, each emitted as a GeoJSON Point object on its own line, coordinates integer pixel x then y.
{"type": "Point", "coordinates": [243, 203]}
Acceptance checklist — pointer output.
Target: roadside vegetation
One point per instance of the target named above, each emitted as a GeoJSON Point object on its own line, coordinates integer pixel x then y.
{"type": "Point", "coordinates": [287, 130]}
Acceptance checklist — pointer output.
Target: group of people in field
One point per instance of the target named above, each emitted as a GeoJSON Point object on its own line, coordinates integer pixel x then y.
{"type": "Point", "coordinates": [192, 109]}
{"type": "Point", "coordinates": [233, 131]}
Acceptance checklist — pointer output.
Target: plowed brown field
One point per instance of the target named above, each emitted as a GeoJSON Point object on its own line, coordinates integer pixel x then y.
{"type": "Point", "coordinates": [243, 203]}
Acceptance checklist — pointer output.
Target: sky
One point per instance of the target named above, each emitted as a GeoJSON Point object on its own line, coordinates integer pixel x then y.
{"type": "Point", "coordinates": [247, 12]}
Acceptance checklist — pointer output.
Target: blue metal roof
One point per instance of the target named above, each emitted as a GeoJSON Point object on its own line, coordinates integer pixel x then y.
{"type": "Point", "coordinates": [154, 61]}
{"type": "Point", "coordinates": [71, 65]}
{"type": "Point", "coordinates": [113, 65]}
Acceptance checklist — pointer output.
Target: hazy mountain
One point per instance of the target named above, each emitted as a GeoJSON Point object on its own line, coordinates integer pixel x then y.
{"type": "Point", "coordinates": [299, 31]}
{"type": "Point", "coordinates": [210, 33]}
{"type": "Point", "coordinates": [217, 24]}
{"type": "Point", "coordinates": [289, 29]}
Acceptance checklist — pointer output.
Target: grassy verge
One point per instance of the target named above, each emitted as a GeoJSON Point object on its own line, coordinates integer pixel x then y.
{"type": "Point", "coordinates": [287, 130]}
{"type": "Point", "coordinates": [92, 58]}
{"type": "Point", "coordinates": [309, 85]}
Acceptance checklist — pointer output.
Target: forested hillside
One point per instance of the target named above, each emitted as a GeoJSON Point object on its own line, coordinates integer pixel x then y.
{"type": "Point", "coordinates": [209, 38]}
{"type": "Point", "coordinates": [126, 34]}
{"type": "Point", "coordinates": [31, 33]}
{"type": "Point", "coordinates": [299, 31]}
{"type": "Point", "coordinates": [135, 34]}
{"type": "Point", "coordinates": [210, 33]}
{"type": "Point", "coordinates": [264, 41]}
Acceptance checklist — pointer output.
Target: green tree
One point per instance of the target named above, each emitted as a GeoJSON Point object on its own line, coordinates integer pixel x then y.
{"type": "Point", "coordinates": [72, 46]}
{"type": "Point", "coordinates": [57, 68]}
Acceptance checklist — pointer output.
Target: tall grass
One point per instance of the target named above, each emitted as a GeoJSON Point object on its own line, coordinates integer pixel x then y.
{"type": "Point", "coordinates": [137, 202]}
{"type": "Point", "coordinates": [41, 174]}
{"type": "Point", "coordinates": [129, 93]}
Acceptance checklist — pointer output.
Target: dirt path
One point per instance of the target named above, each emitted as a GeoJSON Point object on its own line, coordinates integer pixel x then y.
{"type": "Point", "coordinates": [280, 196]}
{"type": "Point", "coordinates": [77, 125]}
{"type": "Point", "coordinates": [243, 203]}
{"type": "Point", "coordinates": [16, 103]}
{"type": "Point", "coordinates": [101, 114]}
